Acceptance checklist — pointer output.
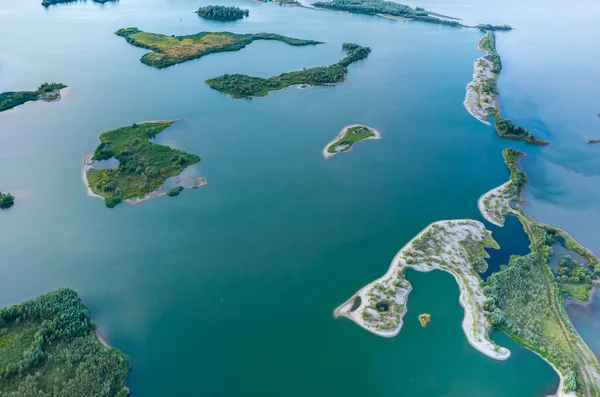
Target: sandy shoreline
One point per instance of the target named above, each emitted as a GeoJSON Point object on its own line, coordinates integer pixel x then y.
{"type": "Point", "coordinates": [88, 163]}
{"type": "Point", "coordinates": [327, 155]}
{"type": "Point", "coordinates": [475, 324]}
{"type": "Point", "coordinates": [479, 75]}
{"type": "Point", "coordinates": [495, 193]}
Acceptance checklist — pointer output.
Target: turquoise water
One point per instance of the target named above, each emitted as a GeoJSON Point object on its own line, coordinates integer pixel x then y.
{"type": "Point", "coordinates": [229, 289]}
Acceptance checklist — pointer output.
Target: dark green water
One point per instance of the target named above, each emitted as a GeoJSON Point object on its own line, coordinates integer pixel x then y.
{"type": "Point", "coordinates": [229, 289]}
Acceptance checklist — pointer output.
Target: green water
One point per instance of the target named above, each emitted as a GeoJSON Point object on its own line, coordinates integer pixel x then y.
{"type": "Point", "coordinates": [229, 289]}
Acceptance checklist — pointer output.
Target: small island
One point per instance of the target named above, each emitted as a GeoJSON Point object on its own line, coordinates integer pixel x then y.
{"type": "Point", "coordinates": [456, 247]}
{"type": "Point", "coordinates": [6, 200]}
{"type": "Point", "coordinates": [171, 50]}
{"type": "Point", "coordinates": [243, 86]}
{"type": "Point", "coordinates": [593, 141]}
{"type": "Point", "coordinates": [143, 166]}
{"type": "Point", "coordinates": [385, 9]}
{"type": "Point", "coordinates": [49, 347]}
{"type": "Point", "coordinates": [347, 137]}
{"type": "Point", "coordinates": [424, 319]}
{"type": "Point", "coordinates": [222, 13]}
{"type": "Point", "coordinates": [481, 99]}
{"type": "Point", "coordinates": [48, 92]}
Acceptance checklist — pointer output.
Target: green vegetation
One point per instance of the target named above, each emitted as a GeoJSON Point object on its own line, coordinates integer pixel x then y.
{"type": "Point", "coordinates": [143, 166]}
{"type": "Point", "coordinates": [517, 176]}
{"type": "Point", "coordinates": [506, 129]}
{"type": "Point", "coordinates": [350, 137]}
{"type": "Point", "coordinates": [243, 86]}
{"type": "Point", "coordinates": [488, 43]}
{"type": "Point", "coordinates": [45, 92]}
{"type": "Point", "coordinates": [175, 191]}
{"type": "Point", "coordinates": [6, 200]}
{"type": "Point", "coordinates": [492, 28]}
{"type": "Point", "coordinates": [374, 7]}
{"type": "Point", "coordinates": [171, 50]}
{"type": "Point", "coordinates": [222, 13]}
{"type": "Point", "coordinates": [49, 347]}
{"type": "Point", "coordinates": [424, 319]}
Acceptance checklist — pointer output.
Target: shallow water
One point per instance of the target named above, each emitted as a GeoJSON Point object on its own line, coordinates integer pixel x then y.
{"type": "Point", "coordinates": [237, 280]}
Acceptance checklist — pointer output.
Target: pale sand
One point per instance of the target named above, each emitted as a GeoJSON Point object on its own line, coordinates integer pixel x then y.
{"type": "Point", "coordinates": [480, 74]}
{"type": "Point", "coordinates": [503, 200]}
{"type": "Point", "coordinates": [88, 163]}
{"type": "Point", "coordinates": [475, 324]}
{"type": "Point", "coordinates": [327, 155]}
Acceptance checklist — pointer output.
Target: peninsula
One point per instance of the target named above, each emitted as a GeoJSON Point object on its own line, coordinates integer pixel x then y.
{"type": "Point", "coordinates": [524, 299]}
{"type": "Point", "coordinates": [143, 166]}
{"type": "Point", "coordinates": [456, 247]}
{"type": "Point", "coordinates": [50, 343]}
{"type": "Point", "coordinates": [171, 50]}
{"type": "Point", "coordinates": [6, 200]}
{"type": "Point", "coordinates": [385, 9]}
{"type": "Point", "coordinates": [243, 86]}
{"type": "Point", "coordinates": [347, 137]}
{"type": "Point", "coordinates": [481, 99]}
{"type": "Point", "coordinates": [49, 92]}
{"type": "Point", "coordinates": [222, 13]}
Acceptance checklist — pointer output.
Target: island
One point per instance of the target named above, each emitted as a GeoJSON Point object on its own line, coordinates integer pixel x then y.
{"type": "Point", "coordinates": [171, 50]}
{"type": "Point", "coordinates": [454, 246]}
{"type": "Point", "coordinates": [222, 13]}
{"type": "Point", "coordinates": [49, 347]}
{"type": "Point", "coordinates": [385, 9]}
{"type": "Point", "coordinates": [48, 92]}
{"type": "Point", "coordinates": [243, 86]}
{"type": "Point", "coordinates": [143, 166]}
{"type": "Point", "coordinates": [347, 137]}
{"type": "Point", "coordinates": [283, 2]}
{"type": "Point", "coordinates": [524, 299]}
{"type": "Point", "coordinates": [48, 3]}
{"type": "Point", "coordinates": [593, 141]}
{"type": "Point", "coordinates": [481, 99]}
{"type": "Point", "coordinates": [424, 319]}
{"type": "Point", "coordinates": [6, 200]}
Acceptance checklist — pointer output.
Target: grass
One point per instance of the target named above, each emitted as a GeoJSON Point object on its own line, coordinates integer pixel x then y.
{"type": "Point", "coordinates": [143, 166]}
{"type": "Point", "coordinates": [49, 347]}
{"type": "Point", "coordinates": [243, 86]}
{"type": "Point", "coordinates": [171, 50]}
{"type": "Point", "coordinates": [352, 135]}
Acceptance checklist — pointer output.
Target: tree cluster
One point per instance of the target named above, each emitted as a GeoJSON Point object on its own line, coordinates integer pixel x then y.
{"type": "Point", "coordinates": [222, 13]}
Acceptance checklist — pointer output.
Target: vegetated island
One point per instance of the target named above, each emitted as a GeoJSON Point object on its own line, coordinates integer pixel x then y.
{"type": "Point", "coordinates": [593, 141]}
{"type": "Point", "coordinates": [171, 50]}
{"type": "Point", "coordinates": [243, 86]}
{"type": "Point", "coordinates": [424, 319]}
{"type": "Point", "coordinates": [481, 99]}
{"type": "Point", "coordinates": [457, 247]}
{"type": "Point", "coordinates": [283, 2]}
{"type": "Point", "coordinates": [524, 299]}
{"type": "Point", "coordinates": [143, 166]}
{"type": "Point", "coordinates": [6, 200]}
{"type": "Point", "coordinates": [347, 137]}
{"type": "Point", "coordinates": [222, 13]}
{"type": "Point", "coordinates": [49, 92]}
{"type": "Point", "coordinates": [385, 9]}
{"type": "Point", "coordinates": [49, 346]}
{"type": "Point", "coordinates": [48, 3]}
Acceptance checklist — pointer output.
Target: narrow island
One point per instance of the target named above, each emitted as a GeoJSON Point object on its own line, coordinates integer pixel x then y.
{"type": "Point", "coordinates": [593, 141]}
{"type": "Point", "coordinates": [424, 319]}
{"type": "Point", "coordinates": [456, 247]}
{"type": "Point", "coordinates": [49, 347]}
{"type": "Point", "coordinates": [222, 13]}
{"type": "Point", "coordinates": [171, 50]}
{"type": "Point", "coordinates": [48, 92]}
{"type": "Point", "coordinates": [524, 299]}
{"type": "Point", "coordinates": [243, 86]}
{"type": "Point", "coordinates": [143, 166]}
{"type": "Point", "coordinates": [283, 2]}
{"type": "Point", "coordinates": [347, 137]}
{"type": "Point", "coordinates": [385, 9]}
{"type": "Point", "coordinates": [48, 3]}
{"type": "Point", "coordinates": [6, 200]}
{"type": "Point", "coordinates": [481, 99]}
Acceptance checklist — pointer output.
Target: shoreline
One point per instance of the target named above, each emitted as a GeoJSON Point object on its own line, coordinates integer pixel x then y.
{"type": "Point", "coordinates": [327, 155]}
{"type": "Point", "coordinates": [481, 206]}
{"type": "Point", "coordinates": [485, 346]}
{"type": "Point", "coordinates": [469, 103]}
